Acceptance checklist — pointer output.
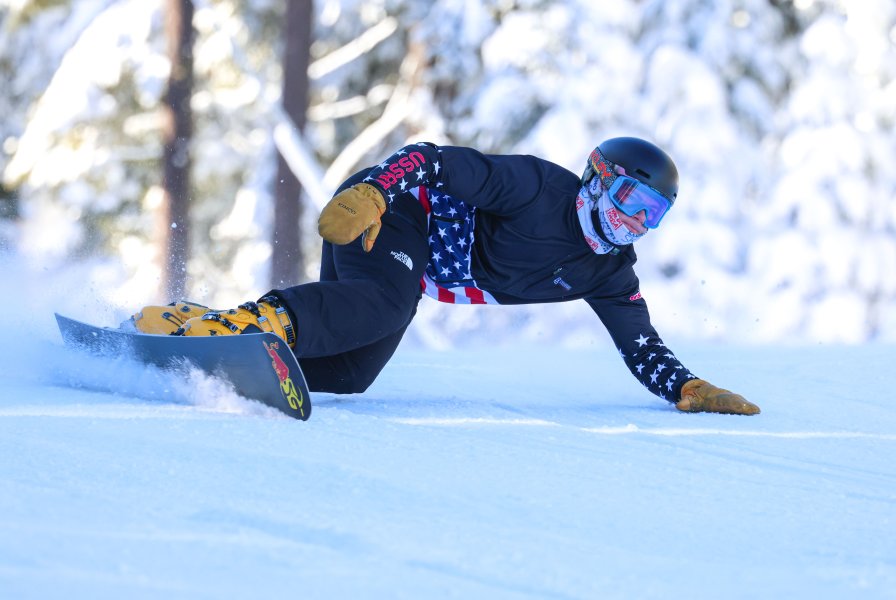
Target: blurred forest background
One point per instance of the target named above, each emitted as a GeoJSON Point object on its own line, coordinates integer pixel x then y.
{"type": "Point", "coordinates": [143, 160]}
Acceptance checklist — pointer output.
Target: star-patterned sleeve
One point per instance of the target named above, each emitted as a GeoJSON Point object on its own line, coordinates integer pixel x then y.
{"type": "Point", "coordinates": [499, 184]}
{"type": "Point", "coordinates": [410, 167]}
{"type": "Point", "coordinates": [642, 349]}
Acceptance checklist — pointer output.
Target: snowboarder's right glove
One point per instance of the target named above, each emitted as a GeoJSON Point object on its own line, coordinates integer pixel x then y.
{"type": "Point", "coordinates": [701, 396]}
{"type": "Point", "coordinates": [352, 212]}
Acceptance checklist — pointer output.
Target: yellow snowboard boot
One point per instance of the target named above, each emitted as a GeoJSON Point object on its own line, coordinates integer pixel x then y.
{"type": "Point", "coordinates": [165, 320]}
{"type": "Point", "coordinates": [268, 314]}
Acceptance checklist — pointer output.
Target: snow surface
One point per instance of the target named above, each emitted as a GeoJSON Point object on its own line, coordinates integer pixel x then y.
{"type": "Point", "coordinates": [518, 472]}
{"type": "Point", "coordinates": [536, 467]}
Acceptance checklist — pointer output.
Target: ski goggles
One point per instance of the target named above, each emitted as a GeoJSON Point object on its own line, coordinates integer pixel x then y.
{"type": "Point", "coordinates": [627, 193]}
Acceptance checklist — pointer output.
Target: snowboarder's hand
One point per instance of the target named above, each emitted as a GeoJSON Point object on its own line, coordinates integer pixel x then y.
{"type": "Point", "coordinates": [701, 396]}
{"type": "Point", "coordinates": [352, 212]}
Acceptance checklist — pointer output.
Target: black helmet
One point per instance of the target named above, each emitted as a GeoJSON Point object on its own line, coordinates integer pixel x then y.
{"type": "Point", "coordinates": [643, 161]}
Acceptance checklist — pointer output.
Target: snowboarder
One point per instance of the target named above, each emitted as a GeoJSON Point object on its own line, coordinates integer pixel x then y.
{"type": "Point", "coordinates": [467, 227]}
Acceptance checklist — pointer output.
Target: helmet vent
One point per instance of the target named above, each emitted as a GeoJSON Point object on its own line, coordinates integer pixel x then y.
{"type": "Point", "coordinates": [643, 174]}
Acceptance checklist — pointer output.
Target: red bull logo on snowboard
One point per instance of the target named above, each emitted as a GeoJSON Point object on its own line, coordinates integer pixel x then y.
{"type": "Point", "coordinates": [292, 394]}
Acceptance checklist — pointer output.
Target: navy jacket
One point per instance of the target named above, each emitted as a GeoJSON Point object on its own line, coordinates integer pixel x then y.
{"type": "Point", "coordinates": [530, 248]}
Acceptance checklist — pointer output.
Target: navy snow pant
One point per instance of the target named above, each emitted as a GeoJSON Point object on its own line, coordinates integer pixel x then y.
{"type": "Point", "coordinates": [350, 322]}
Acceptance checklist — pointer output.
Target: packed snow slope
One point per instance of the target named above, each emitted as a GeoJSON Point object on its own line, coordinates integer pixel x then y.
{"type": "Point", "coordinates": [507, 472]}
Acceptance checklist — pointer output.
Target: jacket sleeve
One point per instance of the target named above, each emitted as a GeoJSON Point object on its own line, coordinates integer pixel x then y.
{"type": "Point", "coordinates": [500, 184]}
{"type": "Point", "coordinates": [646, 356]}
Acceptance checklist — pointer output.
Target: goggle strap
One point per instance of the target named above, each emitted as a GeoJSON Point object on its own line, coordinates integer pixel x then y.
{"type": "Point", "coordinates": [601, 167]}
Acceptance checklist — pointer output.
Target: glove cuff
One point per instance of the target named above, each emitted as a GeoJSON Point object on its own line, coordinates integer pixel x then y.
{"type": "Point", "coordinates": [690, 388]}
{"type": "Point", "coordinates": [372, 194]}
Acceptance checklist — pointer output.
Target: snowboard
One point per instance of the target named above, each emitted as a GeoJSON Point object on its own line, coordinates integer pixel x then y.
{"type": "Point", "coordinates": [260, 366]}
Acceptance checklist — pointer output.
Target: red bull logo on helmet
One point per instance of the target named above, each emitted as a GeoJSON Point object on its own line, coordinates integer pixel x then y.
{"type": "Point", "coordinates": [292, 394]}
{"type": "Point", "coordinates": [600, 165]}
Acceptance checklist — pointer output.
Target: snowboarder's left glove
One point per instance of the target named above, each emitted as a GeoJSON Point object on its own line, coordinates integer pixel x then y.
{"type": "Point", "coordinates": [701, 396]}
{"type": "Point", "coordinates": [268, 314]}
{"type": "Point", "coordinates": [353, 211]}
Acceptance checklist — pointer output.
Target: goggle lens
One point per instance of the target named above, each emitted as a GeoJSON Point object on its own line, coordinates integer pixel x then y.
{"type": "Point", "coordinates": [631, 197]}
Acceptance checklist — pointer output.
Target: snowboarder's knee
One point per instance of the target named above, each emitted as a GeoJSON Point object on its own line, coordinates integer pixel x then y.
{"type": "Point", "coordinates": [346, 385]}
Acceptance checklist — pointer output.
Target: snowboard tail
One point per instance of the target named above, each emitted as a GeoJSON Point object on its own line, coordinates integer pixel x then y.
{"type": "Point", "coordinates": [260, 366]}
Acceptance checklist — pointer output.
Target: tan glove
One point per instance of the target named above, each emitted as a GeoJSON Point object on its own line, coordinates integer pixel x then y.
{"type": "Point", "coordinates": [352, 212]}
{"type": "Point", "coordinates": [701, 396]}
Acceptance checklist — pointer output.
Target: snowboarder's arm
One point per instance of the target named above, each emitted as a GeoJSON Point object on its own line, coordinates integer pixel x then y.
{"type": "Point", "coordinates": [646, 356]}
{"type": "Point", "coordinates": [654, 365]}
{"type": "Point", "coordinates": [504, 185]}
{"type": "Point", "coordinates": [499, 184]}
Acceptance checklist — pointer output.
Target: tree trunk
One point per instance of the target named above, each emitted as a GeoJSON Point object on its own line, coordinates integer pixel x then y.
{"type": "Point", "coordinates": [177, 131]}
{"type": "Point", "coordinates": [287, 260]}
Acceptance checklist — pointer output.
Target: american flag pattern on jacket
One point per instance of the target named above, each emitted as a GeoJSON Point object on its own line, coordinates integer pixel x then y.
{"type": "Point", "coordinates": [450, 224]}
{"type": "Point", "coordinates": [419, 169]}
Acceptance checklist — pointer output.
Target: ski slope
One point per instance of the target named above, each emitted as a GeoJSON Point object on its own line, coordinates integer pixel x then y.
{"type": "Point", "coordinates": [511, 472]}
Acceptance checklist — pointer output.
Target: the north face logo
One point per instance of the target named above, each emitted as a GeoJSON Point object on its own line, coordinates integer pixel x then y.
{"type": "Point", "coordinates": [403, 259]}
